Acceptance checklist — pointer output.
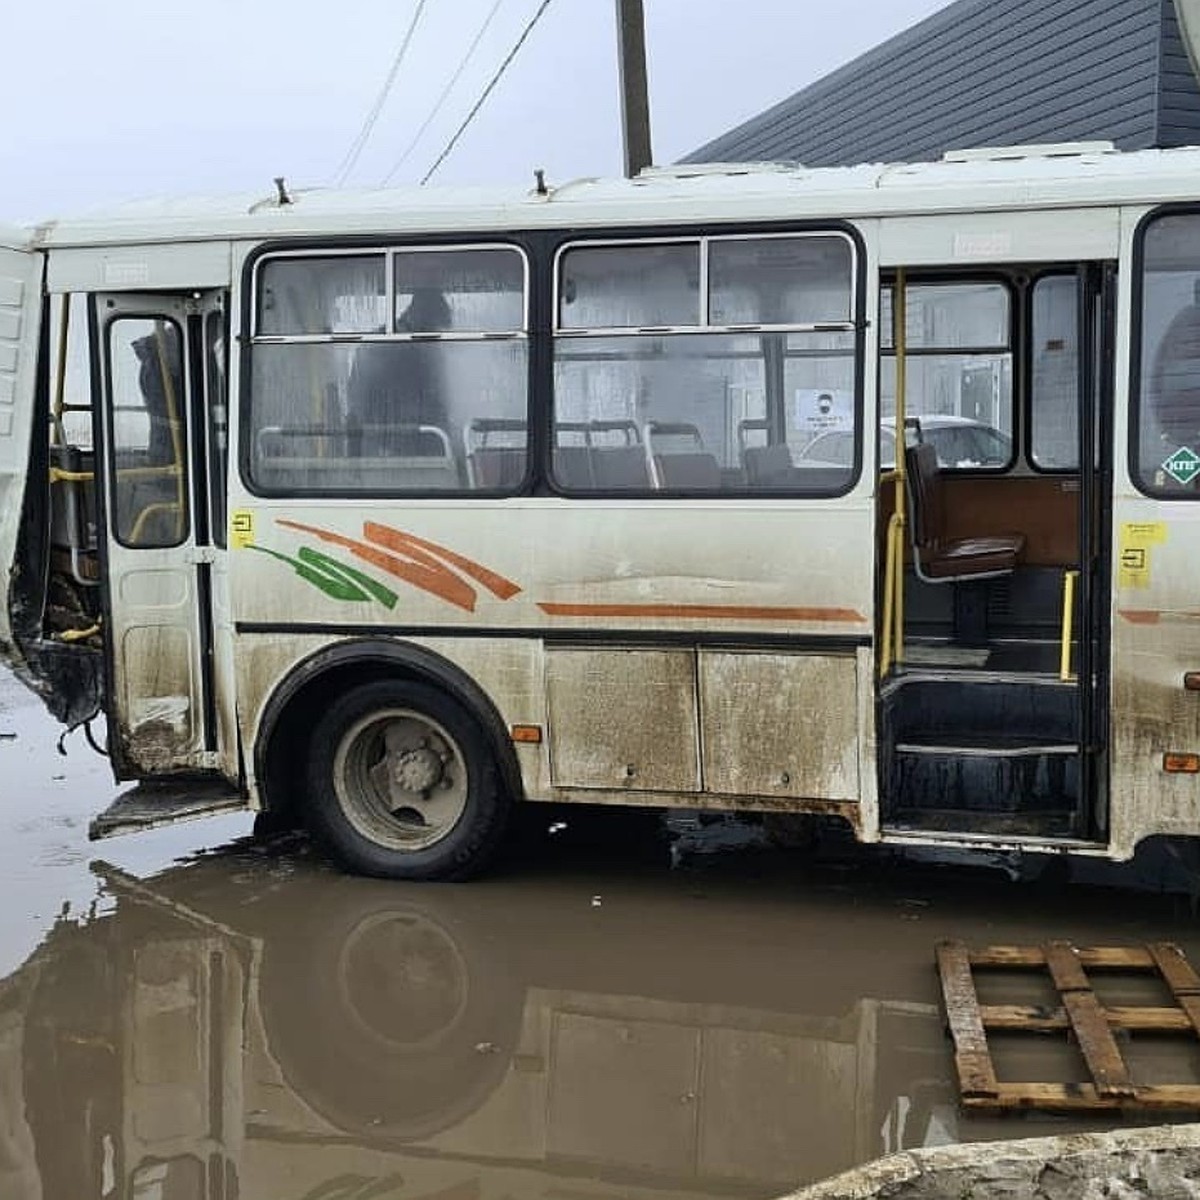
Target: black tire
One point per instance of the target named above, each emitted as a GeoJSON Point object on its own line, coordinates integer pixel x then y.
{"type": "Point", "coordinates": [402, 784]}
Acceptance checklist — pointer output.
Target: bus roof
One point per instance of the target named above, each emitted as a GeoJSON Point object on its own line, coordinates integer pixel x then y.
{"type": "Point", "coordinates": [14, 238]}
{"type": "Point", "coordinates": [1086, 174]}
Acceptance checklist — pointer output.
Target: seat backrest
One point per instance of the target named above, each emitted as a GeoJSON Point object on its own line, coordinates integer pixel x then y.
{"type": "Point", "coordinates": [573, 466]}
{"type": "Point", "coordinates": [768, 464]}
{"type": "Point", "coordinates": [699, 472]}
{"type": "Point", "coordinates": [620, 467]}
{"type": "Point", "coordinates": [496, 466]}
{"type": "Point", "coordinates": [927, 519]}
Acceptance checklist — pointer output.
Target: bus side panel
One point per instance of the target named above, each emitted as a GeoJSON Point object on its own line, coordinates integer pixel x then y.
{"type": "Point", "coordinates": [1156, 640]}
{"type": "Point", "coordinates": [20, 308]}
{"type": "Point", "coordinates": [799, 742]}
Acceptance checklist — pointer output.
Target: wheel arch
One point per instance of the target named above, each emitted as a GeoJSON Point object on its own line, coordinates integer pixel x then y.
{"type": "Point", "coordinates": [308, 687]}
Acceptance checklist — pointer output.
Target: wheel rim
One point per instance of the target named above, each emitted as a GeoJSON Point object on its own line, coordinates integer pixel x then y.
{"type": "Point", "coordinates": [401, 779]}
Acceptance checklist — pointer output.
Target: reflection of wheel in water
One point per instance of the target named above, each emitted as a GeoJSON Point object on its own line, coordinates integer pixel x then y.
{"type": "Point", "coordinates": [389, 1017]}
{"type": "Point", "coordinates": [402, 982]}
{"type": "Point", "coordinates": [403, 783]}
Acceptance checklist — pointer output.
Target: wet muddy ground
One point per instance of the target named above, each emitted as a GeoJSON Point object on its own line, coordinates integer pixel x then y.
{"type": "Point", "coordinates": [616, 1012]}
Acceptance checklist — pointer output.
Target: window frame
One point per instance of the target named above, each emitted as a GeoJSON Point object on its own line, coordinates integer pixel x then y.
{"type": "Point", "coordinates": [1051, 272]}
{"type": "Point", "coordinates": [110, 443]}
{"type": "Point", "coordinates": [1014, 348]}
{"type": "Point", "coordinates": [1136, 340]}
{"type": "Point", "coordinates": [277, 250]}
{"type": "Point", "coordinates": [703, 236]}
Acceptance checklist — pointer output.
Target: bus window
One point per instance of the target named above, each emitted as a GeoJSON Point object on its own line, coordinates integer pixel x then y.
{"type": "Point", "coordinates": [1168, 412]}
{"type": "Point", "coordinates": [692, 366]}
{"type": "Point", "coordinates": [345, 398]}
{"type": "Point", "coordinates": [780, 281]}
{"type": "Point", "coordinates": [1054, 404]}
{"type": "Point", "coordinates": [148, 453]}
{"type": "Point", "coordinates": [959, 352]}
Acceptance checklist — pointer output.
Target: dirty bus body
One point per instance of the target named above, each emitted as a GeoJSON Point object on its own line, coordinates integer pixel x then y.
{"type": "Point", "coordinates": [386, 512]}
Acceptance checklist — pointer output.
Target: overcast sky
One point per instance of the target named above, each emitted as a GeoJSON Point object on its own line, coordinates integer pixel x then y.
{"type": "Point", "coordinates": [108, 102]}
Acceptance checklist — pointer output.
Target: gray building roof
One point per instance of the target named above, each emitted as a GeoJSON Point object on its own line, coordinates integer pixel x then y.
{"type": "Point", "coordinates": [989, 73]}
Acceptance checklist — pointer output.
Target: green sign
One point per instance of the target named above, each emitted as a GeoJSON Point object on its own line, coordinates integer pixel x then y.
{"type": "Point", "coordinates": [1183, 466]}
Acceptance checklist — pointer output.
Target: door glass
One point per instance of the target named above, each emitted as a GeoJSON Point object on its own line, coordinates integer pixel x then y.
{"type": "Point", "coordinates": [1054, 403]}
{"type": "Point", "coordinates": [959, 370]}
{"type": "Point", "coordinates": [217, 409]}
{"type": "Point", "coordinates": [148, 446]}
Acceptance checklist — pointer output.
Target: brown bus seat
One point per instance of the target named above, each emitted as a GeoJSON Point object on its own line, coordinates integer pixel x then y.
{"type": "Point", "coordinates": [936, 558]}
{"type": "Point", "coordinates": [967, 561]}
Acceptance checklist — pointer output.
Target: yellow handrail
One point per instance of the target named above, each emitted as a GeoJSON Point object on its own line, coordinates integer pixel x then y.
{"type": "Point", "coordinates": [139, 526]}
{"type": "Point", "coordinates": [1068, 621]}
{"type": "Point", "coordinates": [892, 650]}
{"type": "Point", "coordinates": [77, 635]}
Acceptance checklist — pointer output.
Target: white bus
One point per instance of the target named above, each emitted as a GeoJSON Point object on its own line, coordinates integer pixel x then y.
{"type": "Point", "coordinates": [388, 511]}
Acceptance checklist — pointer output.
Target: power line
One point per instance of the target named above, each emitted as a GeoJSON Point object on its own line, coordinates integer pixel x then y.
{"type": "Point", "coordinates": [487, 91]}
{"type": "Point", "coordinates": [359, 143]}
{"type": "Point", "coordinates": [437, 108]}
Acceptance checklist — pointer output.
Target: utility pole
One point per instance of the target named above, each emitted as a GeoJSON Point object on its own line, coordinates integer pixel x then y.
{"type": "Point", "coordinates": [635, 103]}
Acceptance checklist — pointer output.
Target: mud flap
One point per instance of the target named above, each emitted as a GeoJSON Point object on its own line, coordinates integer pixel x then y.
{"type": "Point", "coordinates": [164, 803]}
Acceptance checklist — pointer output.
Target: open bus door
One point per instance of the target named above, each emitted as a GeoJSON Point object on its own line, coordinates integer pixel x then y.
{"type": "Point", "coordinates": [161, 426]}
{"type": "Point", "coordinates": [20, 306]}
{"type": "Point", "coordinates": [994, 722]}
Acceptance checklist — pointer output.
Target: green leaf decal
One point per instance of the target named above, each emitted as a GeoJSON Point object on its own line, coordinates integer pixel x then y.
{"type": "Point", "coordinates": [335, 579]}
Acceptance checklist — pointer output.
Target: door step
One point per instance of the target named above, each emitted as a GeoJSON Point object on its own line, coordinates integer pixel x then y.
{"type": "Point", "coordinates": [164, 802]}
{"type": "Point", "coordinates": [1053, 824]}
{"type": "Point", "coordinates": [1024, 778]}
{"type": "Point", "coordinates": [992, 750]}
{"type": "Point", "coordinates": [997, 756]}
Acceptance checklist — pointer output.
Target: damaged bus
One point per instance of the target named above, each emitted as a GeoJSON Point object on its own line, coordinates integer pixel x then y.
{"type": "Point", "coordinates": [865, 493]}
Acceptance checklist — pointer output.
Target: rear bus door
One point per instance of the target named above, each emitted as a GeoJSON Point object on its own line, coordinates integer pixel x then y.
{"type": "Point", "coordinates": [161, 424]}
{"type": "Point", "coordinates": [20, 305]}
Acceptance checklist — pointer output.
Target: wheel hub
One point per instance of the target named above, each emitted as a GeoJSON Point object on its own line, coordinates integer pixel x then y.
{"type": "Point", "coordinates": [417, 769]}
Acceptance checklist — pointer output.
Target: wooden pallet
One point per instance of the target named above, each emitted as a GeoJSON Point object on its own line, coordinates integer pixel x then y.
{"type": "Point", "coordinates": [1079, 1014]}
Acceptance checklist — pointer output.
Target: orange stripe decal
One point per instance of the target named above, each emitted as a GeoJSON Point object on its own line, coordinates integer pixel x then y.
{"type": "Point", "coordinates": [420, 563]}
{"type": "Point", "coordinates": [1152, 616]}
{"type": "Point", "coordinates": [1140, 616]}
{"type": "Point", "coordinates": [732, 612]}
{"type": "Point", "coordinates": [431, 553]}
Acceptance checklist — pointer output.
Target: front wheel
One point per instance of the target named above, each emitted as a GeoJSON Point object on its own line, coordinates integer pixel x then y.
{"type": "Point", "coordinates": [402, 784]}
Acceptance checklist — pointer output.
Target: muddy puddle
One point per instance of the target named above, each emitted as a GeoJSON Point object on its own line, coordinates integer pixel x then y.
{"type": "Point", "coordinates": [614, 1014]}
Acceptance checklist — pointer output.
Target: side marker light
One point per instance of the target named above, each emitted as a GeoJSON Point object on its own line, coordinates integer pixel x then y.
{"type": "Point", "coordinates": [1176, 763]}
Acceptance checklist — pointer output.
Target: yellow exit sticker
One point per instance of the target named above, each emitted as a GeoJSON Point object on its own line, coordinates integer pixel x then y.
{"type": "Point", "coordinates": [241, 528]}
{"type": "Point", "coordinates": [1133, 557]}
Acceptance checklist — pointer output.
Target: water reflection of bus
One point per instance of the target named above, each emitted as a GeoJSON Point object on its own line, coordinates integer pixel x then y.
{"type": "Point", "coordinates": [291, 1037]}
{"type": "Point", "coordinates": [388, 511]}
